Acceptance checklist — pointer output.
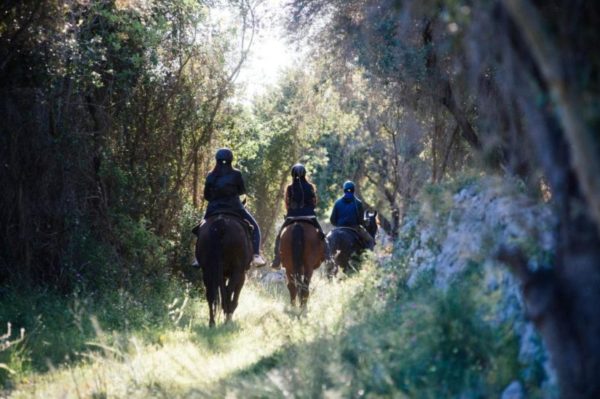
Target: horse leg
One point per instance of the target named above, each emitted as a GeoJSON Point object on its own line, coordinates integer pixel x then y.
{"type": "Point", "coordinates": [332, 269]}
{"type": "Point", "coordinates": [212, 300]}
{"type": "Point", "coordinates": [235, 284]}
{"type": "Point", "coordinates": [344, 262]}
{"type": "Point", "coordinates": [291, 284]}
{"type": "Point", "coordinates": [304, 292]}
{"type": "Point", "coordinates": [354, 261]}
{"type": "Point", "coordinates": [226, 302]}
{"type": "Point", "coordinates": [211, 311]}
{"type": "Point", "coordinates": [229, 288]}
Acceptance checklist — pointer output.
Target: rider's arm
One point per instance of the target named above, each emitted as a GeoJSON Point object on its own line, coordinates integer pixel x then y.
{"type": "Point", "coordinates": [288, 197]}
{"type": "Point", "coordinates": [241, 186]}
{"type": "Point", "coordinates": [208, 189]}
{"type": "Point", "coordinates": [334, 216]}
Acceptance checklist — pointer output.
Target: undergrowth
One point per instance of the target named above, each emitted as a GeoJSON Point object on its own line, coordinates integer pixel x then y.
{"type": "Point", "coordinates": [59, 329]}
{"type": "Point", "coordinates": [395, 343]}
{"type": "Point", "coordinates": [367, 335]}
{"type": "Point", "coordinates": [130, 288]}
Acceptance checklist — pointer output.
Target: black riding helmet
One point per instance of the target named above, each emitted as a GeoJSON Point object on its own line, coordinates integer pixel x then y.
{"type": "Point", "coordinates": [348, 186]}
{"type": "Point", "coordinates": [224, 155]}
{"type": "Point", "coordinates": [298, 171]}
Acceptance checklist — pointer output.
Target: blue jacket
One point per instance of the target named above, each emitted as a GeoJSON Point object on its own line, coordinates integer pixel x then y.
{"type": "Point", "coordinates": [347, 212]}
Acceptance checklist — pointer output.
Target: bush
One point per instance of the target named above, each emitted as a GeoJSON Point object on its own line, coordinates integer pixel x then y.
{"type": "Point", "coordinates": [421, 342]}
{"type": "Point", "coordinates": [59, 329]}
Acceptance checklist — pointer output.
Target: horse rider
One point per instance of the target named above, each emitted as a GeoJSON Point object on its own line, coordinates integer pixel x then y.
{"type": "Point", "coordinates": [348, 212]}
{"type": "Point", "coordinates": [222, 190]}
{"type": "Point", "coordinates": [300, 201]}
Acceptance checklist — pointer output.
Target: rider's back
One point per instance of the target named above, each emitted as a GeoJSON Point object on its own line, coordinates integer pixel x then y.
{"type": "Point", "coordinates": [301, 199]}
{"type": "Point", "coordinates": [347, 212]}
{"type": "Point", "coordinates": [222, 190]}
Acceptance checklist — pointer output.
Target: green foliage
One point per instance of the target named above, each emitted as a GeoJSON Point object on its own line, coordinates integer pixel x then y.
{"type": "Point", "coordinates": [395, 342]}
{"type": "Point", "coordinates": [367, 335]}
{"type": "Point", "coordinates": [435, 201]}
{"type": "Point", "coordinates": [132, 97]}
{"type": "Point", "coordinates": [59, 329]}
{"type": "Point", "coordinates": [441, 346]}
{"type": "Point", "coordinates": [287, 125]}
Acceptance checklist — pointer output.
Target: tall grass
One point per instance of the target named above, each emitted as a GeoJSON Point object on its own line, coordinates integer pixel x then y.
{"type": "Point", "coordinates": [357, 338]}
{"type": "Point", "coordinates": [58, 328]}
{"type": "Point", "coordinates": [397, 343]}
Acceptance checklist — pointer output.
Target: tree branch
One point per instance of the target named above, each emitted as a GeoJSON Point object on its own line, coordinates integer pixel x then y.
{"type": "Point", "coordinates": [582, 143]}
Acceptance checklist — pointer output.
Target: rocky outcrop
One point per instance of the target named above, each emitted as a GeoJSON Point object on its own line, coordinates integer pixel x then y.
{"type": "Point", "coordinates": [453, 231]}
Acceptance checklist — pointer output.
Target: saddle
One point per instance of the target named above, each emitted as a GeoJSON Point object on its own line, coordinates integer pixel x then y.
{"type": "Point", "coordinates": [357, 234]}
{"type": "Point", "coordinates": [308, 219]}
{"type": "Point", "coordinates": [353, 230]}
{"type": "Point", "coordinates": [222, 213]}
{"type": "Point", "coordinates": [311, 220]}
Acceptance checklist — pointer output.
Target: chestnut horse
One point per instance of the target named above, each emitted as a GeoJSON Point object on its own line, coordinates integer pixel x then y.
{"type": "Point", "coordinates": [224, 252]}
{"type": "Point", "coordinates": [344, 243]}
{"type": "Point", "coordinates": [302, 251]}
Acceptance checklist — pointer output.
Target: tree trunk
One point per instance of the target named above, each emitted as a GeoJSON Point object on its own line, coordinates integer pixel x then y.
{"type": "Point", "coordinates": [562, 298]}
{"type": "Point", "coordinates": [582, 141]}
{"type": "Point", "coordinates": [562, 301]}
{"type": "Point", "coordinates": [466, 129]}
{"type": "Point", "coordinates": [195, 182]}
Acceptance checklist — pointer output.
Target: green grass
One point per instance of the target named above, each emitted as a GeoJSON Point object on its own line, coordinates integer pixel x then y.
{"type": "Point", "coordinates": [190, 358]}
{"type": "Point", "coordinates": [356, 339]}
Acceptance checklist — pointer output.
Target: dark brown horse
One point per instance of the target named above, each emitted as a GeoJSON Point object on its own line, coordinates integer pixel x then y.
{"type": "Point", "coordinates": [224, 251]}
{"type": "Point", "coordinates": [345, 244]}
{"type": "Point", "coordinates": [302, 251]}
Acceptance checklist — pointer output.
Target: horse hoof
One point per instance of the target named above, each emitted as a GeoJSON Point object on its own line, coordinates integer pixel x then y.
{"type": "Point", "coordinates": [228, 318]}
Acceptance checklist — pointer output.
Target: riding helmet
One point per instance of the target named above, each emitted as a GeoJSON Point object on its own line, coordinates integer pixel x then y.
{"type": "Point", "coordinates": [348, 187]}
{"type": "Point", "coordinates": [224, 155]}
{"type": "Point", "coordinates": [298, 170]}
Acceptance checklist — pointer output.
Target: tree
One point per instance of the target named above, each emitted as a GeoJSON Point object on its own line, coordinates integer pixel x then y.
{"type": "Point", "coordinates": [108, 108]}
{"type": "Point", "coordinates": [513, 75]}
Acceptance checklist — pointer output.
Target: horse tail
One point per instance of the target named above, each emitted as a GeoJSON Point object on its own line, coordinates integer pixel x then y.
{"type": "Point", "coordinates": [215, 280]}
{"type": "Point", "coordinates": [298, 249]}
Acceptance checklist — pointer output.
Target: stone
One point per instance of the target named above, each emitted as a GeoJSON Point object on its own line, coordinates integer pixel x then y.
{"type": "Point", "coordinates": [513, 391]}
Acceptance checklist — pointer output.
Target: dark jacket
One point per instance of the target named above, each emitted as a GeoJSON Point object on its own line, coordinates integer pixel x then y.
{"type": "Point", "coordinates": [347, 212]}
{"type": "Point", "coordinates": [300, 199]}
{"type": "Point", "coordinates": [222, 190]}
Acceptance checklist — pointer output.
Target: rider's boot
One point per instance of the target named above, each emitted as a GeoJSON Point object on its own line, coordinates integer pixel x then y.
{"type": "Point", "coordinates": [258, 261]}
{"type": "Point", "coordinates": [195, 264]}
{"type": "Point", "coordinates": [276, 264]}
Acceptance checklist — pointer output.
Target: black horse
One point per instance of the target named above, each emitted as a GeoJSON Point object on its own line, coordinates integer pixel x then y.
{"type": "Point", "coordinates": [224, 251]}
{"type": "Point", "coordinates": [345, 244]}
